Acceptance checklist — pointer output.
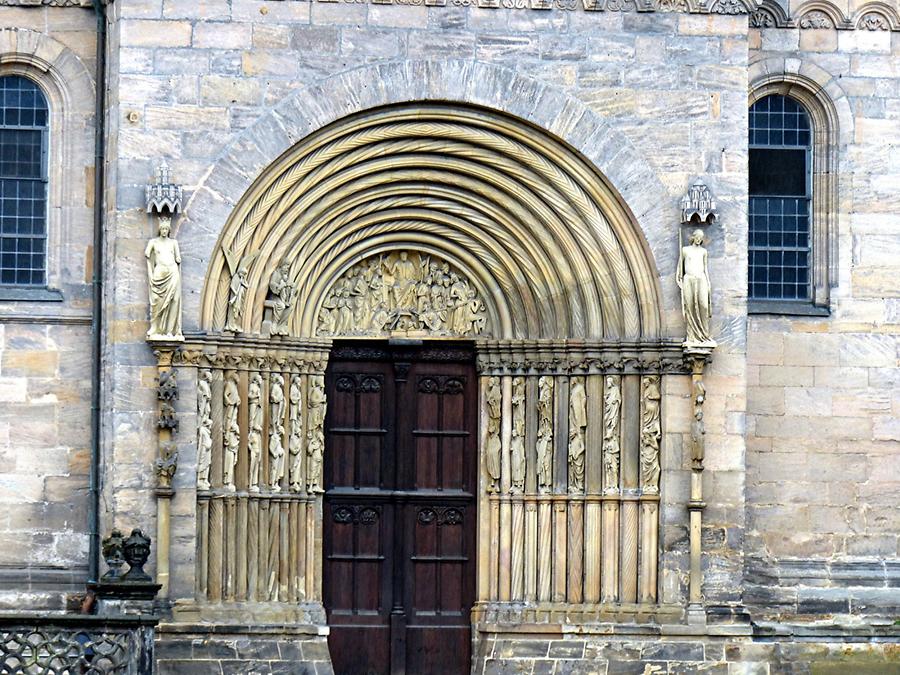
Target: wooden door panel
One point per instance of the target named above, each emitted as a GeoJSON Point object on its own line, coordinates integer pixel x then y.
{"type": "Point", "coordinates": [359, 576]}
{"type": "Point", "coordinates": [402, 433]}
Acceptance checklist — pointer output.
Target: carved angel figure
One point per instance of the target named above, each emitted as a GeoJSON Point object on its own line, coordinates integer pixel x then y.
{"type": "Point", "coordinates": [164, 274]}
{"type": "Point", "coordinates": [612, 406]}
{"type": "Point", "coordinates": [577, 425]}
{"type": "Point", "coordinates": [545, 435]}
{"type": "Point", "coordinates": [692, 277]}
{"type": "Point", "coordinates": [295, 440]}
{"type": "Point", "coordinates": [517, 445]}
{"type": "Point", "coordinates": [255, 423]}
{"type": "Point", "coordinates": [276, 431]}
{"type": "Point", "coordinates": [232, 430]}
{"type": "Point", "coordinates": [204, 428]}
{"type": "Point", "coordinates": [493, 444]}
{"type": "Point", "coordinates": [238, 287]}
{"type": "Point", "coordinates": [315, 434]}
{"type": "Point", "coordinates": [651, 433]}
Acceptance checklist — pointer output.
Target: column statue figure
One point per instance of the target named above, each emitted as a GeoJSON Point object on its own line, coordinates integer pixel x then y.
{"type": "Point", "coordinates": [164, 273]}
{"type": "Point", "coordinates": [692, 277]}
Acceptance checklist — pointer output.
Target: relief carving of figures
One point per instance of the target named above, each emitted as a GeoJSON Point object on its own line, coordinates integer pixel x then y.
{"type": "Point", "coordinates": [238, 269]}
{"type": "Point", "coordinates": [493, 444]}
{"type": "Point", "coordinates": [295, 441]}
{"type": "Point", "coordinates": [698, 431]}
{"type": "Point", "coordinates": [283, 296]}
{"type": "Point", "coordinates": [232, 439]}
{"type": "Point", "coordinates": [315, 434]}
{"type": "Point", "coordinates": [612, 408]}
{"type": "Point", "coordinates": [517, 445]}
{"type": "Point", "coordinates": [402, 291]}
{"type": "Point", "coordinates": [545, 435]}
{"type": "Point", "coordinates": [167, 393]}
{"type": "Point", "coordinates": [651, 432]}
{"type": "Point", "coordinates": [692, 277]}
{"type": "Point", "coordinates": [164, 274]}
{"type": "Point", "coordinates": [577, 425]}
{"type": "Point", "coordinates": [204, 428]}
{"type": "Point", "coordinates": [276, 432]}
{"type": "Point", "coordinates": [255, 423]}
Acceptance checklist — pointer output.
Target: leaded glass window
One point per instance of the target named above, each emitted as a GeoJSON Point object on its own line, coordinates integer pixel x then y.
{"type": "Point", "coordinates": [780, 197]}
{"type": "Point", "coordinates": [24, 121]}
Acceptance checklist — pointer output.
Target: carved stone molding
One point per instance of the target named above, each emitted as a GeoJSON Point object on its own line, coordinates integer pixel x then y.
{"type": "Point", "coordinates": [250, 353]}
{"type": "Point", "coordinates": [579, 358]}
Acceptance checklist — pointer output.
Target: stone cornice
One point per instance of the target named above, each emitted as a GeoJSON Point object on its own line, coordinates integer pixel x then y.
{"type": "Point", "coordinates": [810, 15]}
{"type": "Point", "coordinates": [51, 3]}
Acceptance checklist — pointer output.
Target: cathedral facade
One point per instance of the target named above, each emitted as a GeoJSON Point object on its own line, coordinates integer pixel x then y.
{"type": "Point", "coordinates": [383, 336]}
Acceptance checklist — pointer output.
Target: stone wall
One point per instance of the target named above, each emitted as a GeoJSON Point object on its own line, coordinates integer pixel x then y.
{"type": "Point", "coordinates": [45, 342]}
{"type": "Point", "coordinates": [823, 405]}
{"type": "Point", "coordinates": [221, 90]}
{"type": "Point", "coordinates": [683, 654]}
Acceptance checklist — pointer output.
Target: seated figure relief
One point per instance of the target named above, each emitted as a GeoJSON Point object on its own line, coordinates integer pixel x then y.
{"type": "Point", "coordinates": [402, 292]}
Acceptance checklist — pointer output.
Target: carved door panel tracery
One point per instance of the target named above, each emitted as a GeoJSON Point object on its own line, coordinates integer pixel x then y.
{"type": "Point", "coordinates": [400, 516]}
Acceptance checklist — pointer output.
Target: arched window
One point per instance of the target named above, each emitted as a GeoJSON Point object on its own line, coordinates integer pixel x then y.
{"type": "Point", "coordinates": [24, 126]}
{"type": "Point", "coordinates": [780, 210]}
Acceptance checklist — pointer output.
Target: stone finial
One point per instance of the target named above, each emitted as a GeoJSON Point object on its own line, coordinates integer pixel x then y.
{"type": "Point", "coordinates": [698, 202]}
{"type": "Point", "coordinates": [137, 551]}
{"type": "Point", "coordinates": [113, 548]}
{"type": "Point", "coordinates": [163, 196]}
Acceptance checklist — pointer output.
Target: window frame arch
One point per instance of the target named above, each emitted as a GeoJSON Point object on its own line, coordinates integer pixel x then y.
{"type": "Point", "coordinates": [46, 163]}
{"type": "Point", "coordinates": [69, 89]}
{"type": "Point", "coordinates": [824, 203]}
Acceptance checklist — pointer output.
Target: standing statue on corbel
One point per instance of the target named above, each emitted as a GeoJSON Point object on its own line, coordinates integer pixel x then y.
{"type": "Point", "coordinates": [692, 275]}
{"type": "Point", "coordinates": [696, 295]}
{"type": "Point", "coordinates": [164, 260]}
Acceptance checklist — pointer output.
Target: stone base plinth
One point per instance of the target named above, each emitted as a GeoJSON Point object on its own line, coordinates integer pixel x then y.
{"type": "Point", "coordinates": [807, 650]}
{"type": "Point", "coordinates": [230, 649]}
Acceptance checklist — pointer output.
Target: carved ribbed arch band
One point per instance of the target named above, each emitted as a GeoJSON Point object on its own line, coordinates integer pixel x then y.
{"type": "Point", "coordinates": [547, 244]}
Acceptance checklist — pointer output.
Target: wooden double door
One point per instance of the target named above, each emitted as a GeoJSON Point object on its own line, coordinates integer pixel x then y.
{"type": "Point", "coordinates": [399, 511]}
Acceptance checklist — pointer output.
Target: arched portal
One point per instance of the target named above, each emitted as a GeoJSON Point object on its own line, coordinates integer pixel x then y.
{"type": "Point", "coordinates": [547, 243]}
{"type": "Point", "coordinates": [451, 222]}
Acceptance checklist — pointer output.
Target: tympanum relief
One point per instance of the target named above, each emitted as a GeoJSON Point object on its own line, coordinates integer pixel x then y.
{"type": "Point", "coordinates": [402, 292]}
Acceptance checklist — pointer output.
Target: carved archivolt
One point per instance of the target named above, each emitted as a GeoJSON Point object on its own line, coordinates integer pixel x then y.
{"type": "Point", "coordinates": [402, 292]}
{"type": "Point", "coordinates": [540, 246]}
